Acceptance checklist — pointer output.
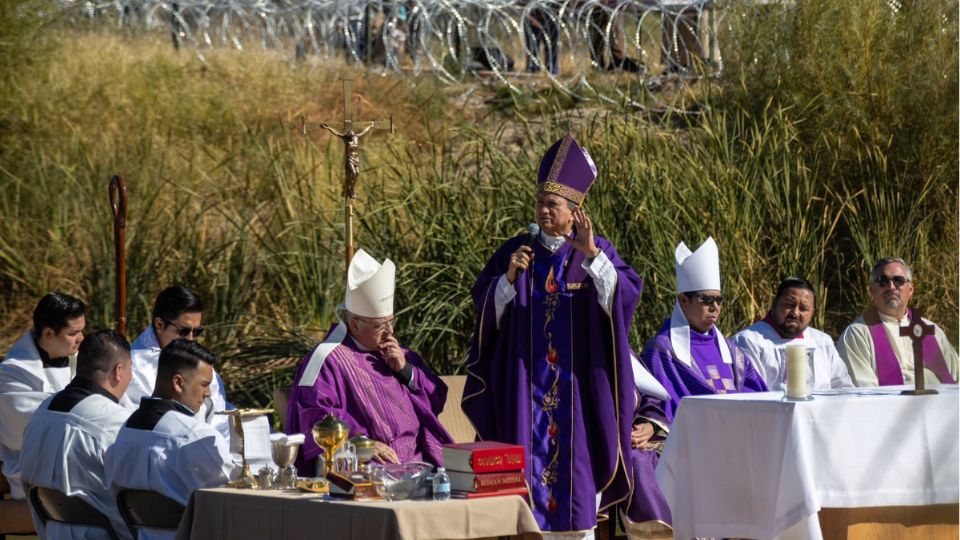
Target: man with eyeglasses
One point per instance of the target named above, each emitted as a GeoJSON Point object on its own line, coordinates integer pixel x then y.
{"type": "Point", "coordinates": [872, 347]}
{"type": "Point", "coordinates": [363, 376]}
{"type": "Point", "coordinates": [788, 323]}
{"type": "Point", "coordinates": [177, 314]}
{"type": "Point", "coordinates": [689, 355]}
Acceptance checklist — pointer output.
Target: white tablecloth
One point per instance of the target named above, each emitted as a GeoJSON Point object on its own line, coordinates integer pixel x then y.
{"type": "Point", "coordinates": [754, 466]}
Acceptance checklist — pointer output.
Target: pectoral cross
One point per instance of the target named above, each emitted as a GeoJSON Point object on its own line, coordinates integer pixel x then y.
{"type": "Point", "coordinates": [917, 330]}
{"type": "Point", "coordinates": [351, 160]}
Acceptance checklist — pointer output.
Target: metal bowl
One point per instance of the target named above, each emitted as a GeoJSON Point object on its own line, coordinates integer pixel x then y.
{"type": "Point", "coordinates": [284, 454]}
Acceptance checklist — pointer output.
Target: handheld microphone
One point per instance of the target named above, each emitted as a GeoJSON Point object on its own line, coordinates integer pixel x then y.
{"type": "Point", "coordinates": [533, 231]}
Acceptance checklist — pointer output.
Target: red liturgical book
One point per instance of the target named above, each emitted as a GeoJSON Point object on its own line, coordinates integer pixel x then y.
{"type": "Point", "coordinates": [485, 482]}
{"type": "Point", "coordinates": [483, 457]}
{"type": "Point", "coordinates": [464, 495]}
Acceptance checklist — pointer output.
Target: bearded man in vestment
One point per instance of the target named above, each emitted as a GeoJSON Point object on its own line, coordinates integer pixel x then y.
{"type": "Point", "coordinates": [363, 376]}
{"type": "Point", "coordinates": [550, 365]}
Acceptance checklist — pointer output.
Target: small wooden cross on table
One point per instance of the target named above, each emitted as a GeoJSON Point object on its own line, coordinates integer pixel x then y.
{"type": "Point", "coordinates": [917, 330]}
{"type": "Point", "coordinates": [351, 160]}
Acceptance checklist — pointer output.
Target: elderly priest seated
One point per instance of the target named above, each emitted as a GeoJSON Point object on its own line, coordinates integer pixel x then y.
{"type": "Point", "coordinates": [363, 376]}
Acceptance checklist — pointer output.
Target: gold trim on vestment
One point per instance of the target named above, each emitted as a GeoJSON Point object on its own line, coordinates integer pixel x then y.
{"type": "Point", "coordinates": [564, 191]}
{"type": "Point", "coordinates": [560, 158]}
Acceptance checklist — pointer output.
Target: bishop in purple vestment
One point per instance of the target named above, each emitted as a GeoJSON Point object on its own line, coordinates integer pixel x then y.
{"type": "Point", "coordinates": [362, 375]}
{"type": "Point", "coordinates": [550, 365]}
{"type": "Point", "coordinates": [689, 355]}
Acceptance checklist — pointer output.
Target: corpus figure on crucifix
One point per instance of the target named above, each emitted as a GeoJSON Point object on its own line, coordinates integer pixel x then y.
{"type": "Point", "coordinates": [351, 156]}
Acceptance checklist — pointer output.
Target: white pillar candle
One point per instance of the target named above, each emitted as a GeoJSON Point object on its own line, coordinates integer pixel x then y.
{"type": "Point", "coordinates": [796, 371]}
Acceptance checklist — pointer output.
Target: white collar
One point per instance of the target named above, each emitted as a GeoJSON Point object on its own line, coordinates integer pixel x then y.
{"type": "Point", "coordinates": [905, 321]}
{"type": "Point", "coordinates": [553, 243]}
{"type": "Point", "coordinates": [146, 340]}
{"type": "Point", "coordinates": [680, 338]}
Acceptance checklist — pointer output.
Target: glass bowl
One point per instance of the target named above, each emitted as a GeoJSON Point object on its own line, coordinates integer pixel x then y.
{"type": "Point", "coordinates": [397, 482]}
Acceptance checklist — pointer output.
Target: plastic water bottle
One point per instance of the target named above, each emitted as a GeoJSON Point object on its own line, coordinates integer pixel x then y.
{"type": "Point", "coordinates": [441, 485]}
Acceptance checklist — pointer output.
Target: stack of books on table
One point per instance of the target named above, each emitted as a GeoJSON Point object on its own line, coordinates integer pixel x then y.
{"type": "Point", "coordinates": [485, 469]}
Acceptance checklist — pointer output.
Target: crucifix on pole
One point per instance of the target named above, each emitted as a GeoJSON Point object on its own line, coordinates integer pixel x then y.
{"type": "Point", "coordinates": [917, 330]}
{"type": "Point", "coordinates": [351, 160]}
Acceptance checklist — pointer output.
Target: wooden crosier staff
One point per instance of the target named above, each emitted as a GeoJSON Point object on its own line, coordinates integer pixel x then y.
{"type": "Point", "coordinates": [917, 330]}
{"type": "Point", "coordinates": [118, 202]}
{"type": "Point", "coordinates": [351, 162]}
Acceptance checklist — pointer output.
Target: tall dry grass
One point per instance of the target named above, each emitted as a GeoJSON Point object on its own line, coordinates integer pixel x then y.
{"type": "Point", "coordinates": [814, 158]}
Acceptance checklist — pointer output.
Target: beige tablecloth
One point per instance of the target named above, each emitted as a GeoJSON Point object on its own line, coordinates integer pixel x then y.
{"type": "Point", "coordinates": [242, 514]}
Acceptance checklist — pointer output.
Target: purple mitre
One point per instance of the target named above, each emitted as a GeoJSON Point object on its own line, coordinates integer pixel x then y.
{"type": "Point", "coordinates": [567, 170]}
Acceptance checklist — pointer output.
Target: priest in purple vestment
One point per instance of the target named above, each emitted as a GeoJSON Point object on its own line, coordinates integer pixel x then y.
{"type": "Point", "coordinates": [872, 347]}
{"type": "Point", "coordinates": [362, 375]}
{"type": "Point", "coordinates": [550, 365]}
{"type": "Point", "coordinates": [689, 355]}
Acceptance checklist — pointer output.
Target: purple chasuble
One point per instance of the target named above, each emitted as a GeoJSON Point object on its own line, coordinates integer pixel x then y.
{"type": "Point", "coordinates": [889, 372]}
{"type": "Point", "coordinates": [361, 389]}
{"type": "Point", "coordinates": [681, 380]}
{"type": "Point", "coordinates": [555, 376]}
{"type": "Point", "coordinates": [706, 353]}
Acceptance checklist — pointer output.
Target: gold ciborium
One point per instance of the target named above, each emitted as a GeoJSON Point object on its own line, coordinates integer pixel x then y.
{"type": "Point", "coordinates": [329, 434]}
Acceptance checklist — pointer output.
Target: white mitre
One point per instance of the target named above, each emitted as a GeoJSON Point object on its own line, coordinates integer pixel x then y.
{"type": "Point", "coordinates": [370, 286]}
{"type": "Point", "coordinates": [696, 271]}
{"type": "Point", "coordinates": [370, 289]}
{"type": "Point", "coordinates": [699, 270]}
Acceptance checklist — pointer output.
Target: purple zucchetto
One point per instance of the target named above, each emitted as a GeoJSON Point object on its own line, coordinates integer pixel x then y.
{"type": "Point", "coordinates": [567, 170]}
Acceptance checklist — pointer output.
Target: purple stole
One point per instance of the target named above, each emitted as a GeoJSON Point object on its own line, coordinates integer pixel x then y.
{"type": "Point", "coordinates": [888, 366]}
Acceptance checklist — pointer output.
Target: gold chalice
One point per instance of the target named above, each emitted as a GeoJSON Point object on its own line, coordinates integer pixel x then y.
{"type": "Point", "coordinates": [329, 434]}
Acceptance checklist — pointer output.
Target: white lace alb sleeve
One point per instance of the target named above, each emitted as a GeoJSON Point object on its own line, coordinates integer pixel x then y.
{"type": "Point", "coordinates": [503, 296]}
{"type": "Point", "coordinates": [604, 278]}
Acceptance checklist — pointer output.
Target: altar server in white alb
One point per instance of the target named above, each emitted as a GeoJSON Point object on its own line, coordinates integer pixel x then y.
{"type": "Point", "coordinates": [788, 323]}
{"type": "Point", "coordinates": [64, 442]}
{"type": "Point", "coordinates": [165, 446]}
{"type": "Point", "coordinates": [35, 368]}
{"type": "Point", "coordinates": [875, 352]}
{"type": "Point", "coordinates": [177, 314]}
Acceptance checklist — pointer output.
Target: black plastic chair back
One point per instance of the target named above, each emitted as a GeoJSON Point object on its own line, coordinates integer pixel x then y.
{"type": "Point", "coordinates": [52, 505]}
{"type": "Point", "coordinates": [148, 509]}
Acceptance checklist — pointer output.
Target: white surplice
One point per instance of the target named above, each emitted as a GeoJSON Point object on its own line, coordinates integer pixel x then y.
{"type": "Point", "coordinates": [24, 384]}
{"type": "Point", "coordinates": [768, 350]}
{"type": "Point", "coordinates": [145, 352]}
{"type": "Point", "coordinates": [180, 453]}
{"type": "Point", "coordinates": [64, 451]}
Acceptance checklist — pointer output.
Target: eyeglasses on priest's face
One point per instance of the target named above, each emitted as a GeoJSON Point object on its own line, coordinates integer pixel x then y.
{"type": "Point", "coordinates": [379, 326]}
{"type": "Point", "coordinates": [706, 299]}
{"type": "Point", "coordinates": [885, 281]}
{"type": "Point", "coordinates": [185, 331]}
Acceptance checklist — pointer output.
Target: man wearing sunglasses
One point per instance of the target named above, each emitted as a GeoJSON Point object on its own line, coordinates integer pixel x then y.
{"type": "Point", "coordinates": [689, 355]}
{"type": "Point", "coordinates": [788, 323]}
{"type": "Point", "coordinates": [177, 314]}
{"type": "Point", "coordinates": [872, 347]}
{"type": "Point", "coordinates": [363, 376]}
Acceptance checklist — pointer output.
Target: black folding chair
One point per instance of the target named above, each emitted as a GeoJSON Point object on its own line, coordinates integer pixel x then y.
{"type": "Point", "coordinates": [52, 505]}
{"type": "Point", "coordinates": [143, 509]}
